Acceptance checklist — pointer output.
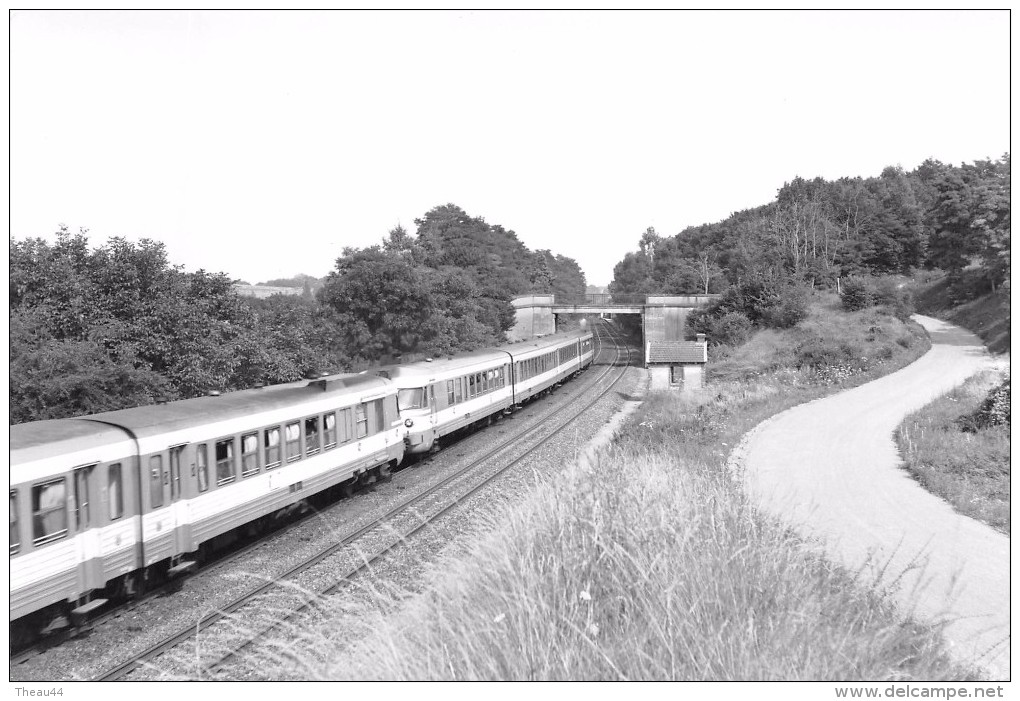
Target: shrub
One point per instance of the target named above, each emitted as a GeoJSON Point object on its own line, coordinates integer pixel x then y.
{"type": "Point", "coordinates": [858, 293]}
{"type": "Point", "coordinates": [895, 296]}
{"type": "Point", "coordinates": [700, 320]}
{"type": "Point", "coordinates": [790, 309]}
{"type": "Point", "coordinates": [731, 329]}
{"type": "Point", "coordinates": [817, 352]}
{"type": "Point", "coordinates": [766, 302]}
{"type": "Point", "coordinates": [994, 410]}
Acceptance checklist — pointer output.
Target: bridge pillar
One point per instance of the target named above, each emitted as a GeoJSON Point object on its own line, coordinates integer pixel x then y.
{"type": "Point", "coordinates": [664, 318]}
{"type": "Point", "coordinates": [534, 317]}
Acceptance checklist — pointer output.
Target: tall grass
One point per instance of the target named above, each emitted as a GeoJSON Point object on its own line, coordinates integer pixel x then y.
{"type": "Point", "coordinates": [969, 469]}
{"type": "Point", "coordinates": [648, 562]}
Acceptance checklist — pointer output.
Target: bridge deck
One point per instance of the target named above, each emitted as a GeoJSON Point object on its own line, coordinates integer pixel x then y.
{"type": "Point", "coordinates": [597, 309]}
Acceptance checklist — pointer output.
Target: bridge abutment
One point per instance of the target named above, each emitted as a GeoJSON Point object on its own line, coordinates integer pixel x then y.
{"type": "Point", "coordinates": [663, 317]}
{"type": "Point", "coordinates": [534, 317]}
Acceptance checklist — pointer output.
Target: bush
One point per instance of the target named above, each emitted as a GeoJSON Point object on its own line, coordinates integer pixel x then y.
{"type": "Point", "coordinates": [700, 320]}
{"type": "Point", "coordinates": [858, 293]}
{"type": "Point", "coordinates": [790, 309]}
{"type": "Point", "coordinates": [818, 352]}
{"type": "Point", "coordinates": [732, 329]}
{"type": "Point", "coordinates": [765, 302]}
{"type": "Point", "coordinates": [894, 295]}
{"type": "Point", "coordinates": [994, 410]}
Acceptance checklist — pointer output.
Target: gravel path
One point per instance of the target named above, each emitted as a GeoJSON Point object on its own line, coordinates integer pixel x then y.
{"type": "Point", "coordinates": [831, 469]}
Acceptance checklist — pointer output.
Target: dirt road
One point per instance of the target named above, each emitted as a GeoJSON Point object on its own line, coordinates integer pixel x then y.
{"type": "Point", "coordinates": [831, 469]}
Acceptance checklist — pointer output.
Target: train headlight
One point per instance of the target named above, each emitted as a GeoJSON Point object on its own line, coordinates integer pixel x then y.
{"type": "Point", "coordinates": [408, 422]}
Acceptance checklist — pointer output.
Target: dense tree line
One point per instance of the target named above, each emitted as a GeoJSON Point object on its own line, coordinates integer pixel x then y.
{"type": "Point", "coordinates": [816, 231]}
{"type": "Point", "coordinates": [118, 326]}
{"type": "Point", "coordinates": [445, 289]}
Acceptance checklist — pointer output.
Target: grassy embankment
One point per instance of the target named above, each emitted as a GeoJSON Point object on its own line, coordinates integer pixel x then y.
{"type": "Point", "coordinates": [968, 305]}
{"type": "Point", "coordinates": [957, 447]}
{"type": "Point", "coordinates": [650, 563]}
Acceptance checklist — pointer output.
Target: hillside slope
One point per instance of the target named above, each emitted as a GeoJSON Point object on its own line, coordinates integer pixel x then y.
{"type": "Point", "coordinates": [985, 315]}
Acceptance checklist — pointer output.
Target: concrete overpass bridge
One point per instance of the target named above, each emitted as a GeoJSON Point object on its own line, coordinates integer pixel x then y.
{"type": "Point", "coordinates": [662, 316]}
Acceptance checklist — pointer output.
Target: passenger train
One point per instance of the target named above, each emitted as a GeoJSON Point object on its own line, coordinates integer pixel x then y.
{"type": "Point", "coordinates": [101, 504]}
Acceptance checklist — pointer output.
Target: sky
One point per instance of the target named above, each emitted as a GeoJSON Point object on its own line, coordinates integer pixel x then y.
{"type": "Point", "coordinates": [261, 144]}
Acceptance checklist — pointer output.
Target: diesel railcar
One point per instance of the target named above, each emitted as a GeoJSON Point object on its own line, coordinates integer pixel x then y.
{"type": "Point", "coordinates": [439, 397]}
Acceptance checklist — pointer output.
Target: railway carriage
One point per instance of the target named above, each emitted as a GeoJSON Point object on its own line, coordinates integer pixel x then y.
{"type": "Point", "coordinates": [73, 524]}
{"type": "Point", "coordinates": [98, 503]}
{"type": "Point", "coordinates": [541, 364]}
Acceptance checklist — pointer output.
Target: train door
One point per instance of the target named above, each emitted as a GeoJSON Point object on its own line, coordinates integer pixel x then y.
{"type": "Point", "coordinates": [89, 546]}
{"type": "Point", "coordinates": [433, 411]}
{"type": "Point", "coordinates": [178, 504]}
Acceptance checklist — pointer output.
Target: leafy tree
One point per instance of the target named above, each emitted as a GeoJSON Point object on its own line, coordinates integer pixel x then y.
{"type": "Point", "coordinates": [971, 218]}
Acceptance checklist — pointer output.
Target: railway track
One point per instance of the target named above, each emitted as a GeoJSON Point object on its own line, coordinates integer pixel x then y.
{"type": "Point", "coordinates": [382, 536]}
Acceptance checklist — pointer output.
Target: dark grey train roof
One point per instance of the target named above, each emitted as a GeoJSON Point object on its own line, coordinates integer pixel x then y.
{"type": "Point", "coordinates": [77, 432]}
{"type": "Point", "coordinates": [159, 418]}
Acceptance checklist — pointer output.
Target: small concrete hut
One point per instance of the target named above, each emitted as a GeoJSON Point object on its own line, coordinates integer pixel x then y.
{"type": "Point", "coordinates": [677, 365]}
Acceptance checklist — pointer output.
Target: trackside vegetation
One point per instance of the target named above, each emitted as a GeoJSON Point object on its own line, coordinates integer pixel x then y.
{"type": "Point", "coordinates": [957, 447]}
{"type": "Point", "coordinates": [648, 562]}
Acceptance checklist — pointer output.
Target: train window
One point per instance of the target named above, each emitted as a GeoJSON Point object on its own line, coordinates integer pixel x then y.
{"type": "Point", "coordinates": [293, 438]}
{"type": "Point", "coordinates": [156, 480]}
{"type": "Point", "coordinates": [225, 471]}
{"type": "Point", "coordinates": [49, 512]}
{"type": "Point", "coordinates": [15, 539]}
{"type": "Point", "coordinates": [271, 442]}
{"type": "Point", "coordinates": [413, 398]}
{"type": "Point", "coordinates": [116, 491]}
{"type": "Point", "coordinates": [471, 386]}
{"type": "Point", "coordinates": [249, 454]}
{"type": "Point", "coordinates": [361, 419]}
{"type": "Point", "coordinates": [451, 395]}
{"type": "Point", "coordinates": [202, 463]}
{"type": "Point", "coordinates": [460, 389]}
{"type": "Point", "coordinates": [329, 434]}
{"type": "Point", "coordinates": [312, 435]}
{"type": "Point", "coordinates": [379, 412]}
